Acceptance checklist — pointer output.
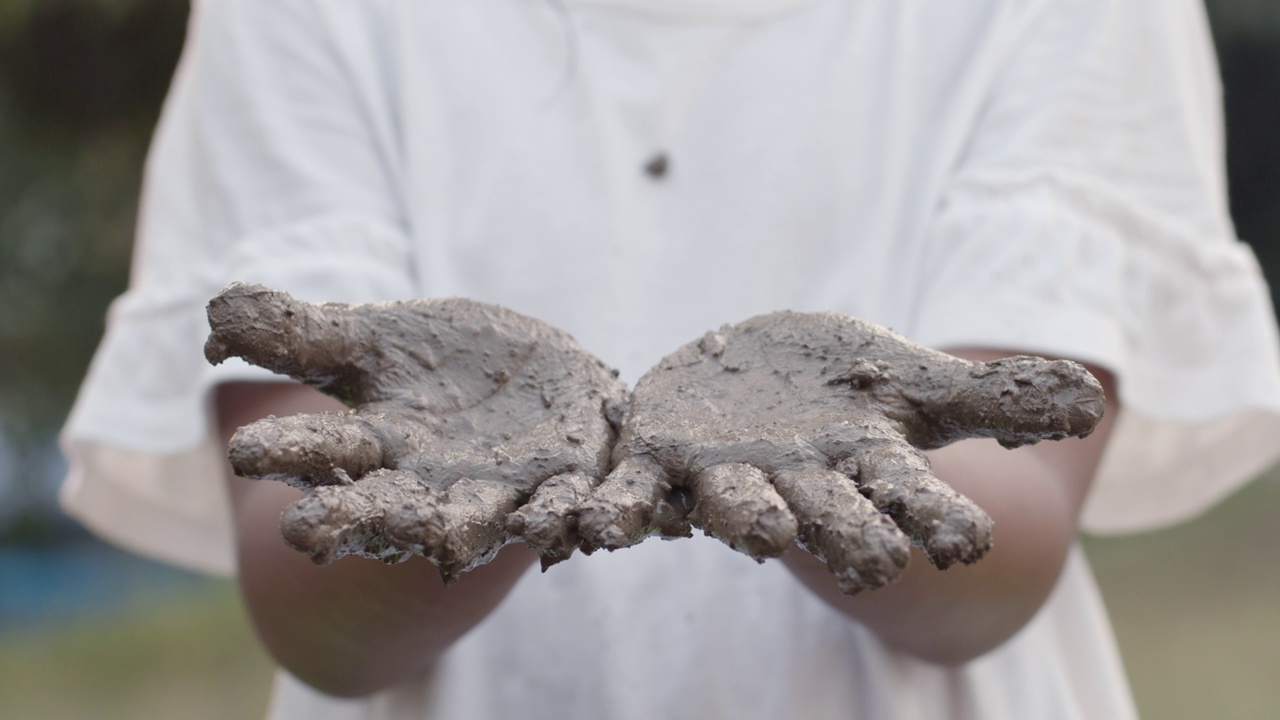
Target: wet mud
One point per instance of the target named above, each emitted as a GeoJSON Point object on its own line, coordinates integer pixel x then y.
{"type": "Point", "coordinates": [473, 426]}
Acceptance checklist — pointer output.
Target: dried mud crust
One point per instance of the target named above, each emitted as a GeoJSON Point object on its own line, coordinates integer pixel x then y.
{"type": "Point", "coordinates": [810, 427]}
{"type": "Point", "coordinates": [473, 426]}
{"type": "Point", "coordinates": [463, 413]}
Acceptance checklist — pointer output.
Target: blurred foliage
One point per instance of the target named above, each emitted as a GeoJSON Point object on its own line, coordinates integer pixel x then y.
{"type": "Point", "coordinates": [81, 83]}
{"type": "Point", "coordinates": [1236, 20]}
{"type": "Point", "coordinates": [188, 657]}
{"type": "Point", "coordinates": [1251, 67]}
{"type": "Point", "coordinates": [1196, 609]}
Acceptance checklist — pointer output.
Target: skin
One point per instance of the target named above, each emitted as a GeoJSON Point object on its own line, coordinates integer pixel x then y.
{"type": "Point", "coordinates": [355, 626]}
{"type": "Point", "coordinates": [383, 625]}
{"type": "Point", "coordinates": [1033, 494]}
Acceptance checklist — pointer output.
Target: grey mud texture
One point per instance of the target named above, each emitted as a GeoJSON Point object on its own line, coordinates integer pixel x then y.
{"type": "Point", "coordinates": [472, 426]}
{"type": "Point", "coordinates": [810, 427]}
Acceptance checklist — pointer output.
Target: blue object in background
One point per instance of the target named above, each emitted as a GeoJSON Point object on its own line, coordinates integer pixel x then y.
{"type": "Point", "coordinates": [40, 586]}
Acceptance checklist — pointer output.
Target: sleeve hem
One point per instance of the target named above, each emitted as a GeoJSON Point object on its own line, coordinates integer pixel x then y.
{"type": "Point", "coordinates": [106, 491]}
{"type": "Point", "coordinates": [1183, 322]}
{"type": "Point", "coordinates": [145, 470]}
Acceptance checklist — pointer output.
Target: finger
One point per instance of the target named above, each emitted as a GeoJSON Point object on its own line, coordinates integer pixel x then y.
{"type": "Point", "coordinates": [459, 528]}
{"type": "Point", "coordinates": [319, 345]}
{"type": "Point", "coordinates": [949, 526]}
{"type": "Point", "coordinates": [332, 521]}
{"type": "Point", "coordinates": [545, 521]}
{"type": "Point", "coordinates": [1016, 400]}
{"type": "Point", "coordinates": [307, 450]}
{"type": "Point", "coordinates": [735, 503]}
{"type": "Point", "coordinates": [861, 546]}
{"type": "Point", "coordinates": [622, 510]}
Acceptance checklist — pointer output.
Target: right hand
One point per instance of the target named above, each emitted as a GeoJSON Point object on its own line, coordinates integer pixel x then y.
{"type": "Point", "coordinates": [471, 425]}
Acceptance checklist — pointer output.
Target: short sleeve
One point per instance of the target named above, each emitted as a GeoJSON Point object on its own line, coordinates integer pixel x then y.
{"type": "Point", "coordinates": [1088, 219]}
{"type": "Point", "coordinates": [275, 161]}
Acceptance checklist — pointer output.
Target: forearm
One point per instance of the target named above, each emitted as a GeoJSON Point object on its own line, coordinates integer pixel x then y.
{"type": "Point", "coordinates": [1033, 495]}
{"type": "Point", "coordinates": [355, 626]}
{"type": "Point", "coordinates": [955, 615]}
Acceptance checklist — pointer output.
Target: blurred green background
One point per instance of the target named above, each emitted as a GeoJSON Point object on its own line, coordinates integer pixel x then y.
{"type": "Point", "coordinates": [88, 632]}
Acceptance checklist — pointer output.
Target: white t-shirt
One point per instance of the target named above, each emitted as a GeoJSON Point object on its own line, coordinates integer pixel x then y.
{"type": "Point", "coordinates": [1024, 174]}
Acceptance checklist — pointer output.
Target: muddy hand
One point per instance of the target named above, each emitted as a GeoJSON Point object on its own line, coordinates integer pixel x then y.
{"type": "Point", "coordinates": [810, 427]}
{"type": "Point", "coordinates": [471, 425]}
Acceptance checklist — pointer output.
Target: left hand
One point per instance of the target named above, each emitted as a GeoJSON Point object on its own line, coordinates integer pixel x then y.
{"type": "Point", "coordinates": [809, 427]}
